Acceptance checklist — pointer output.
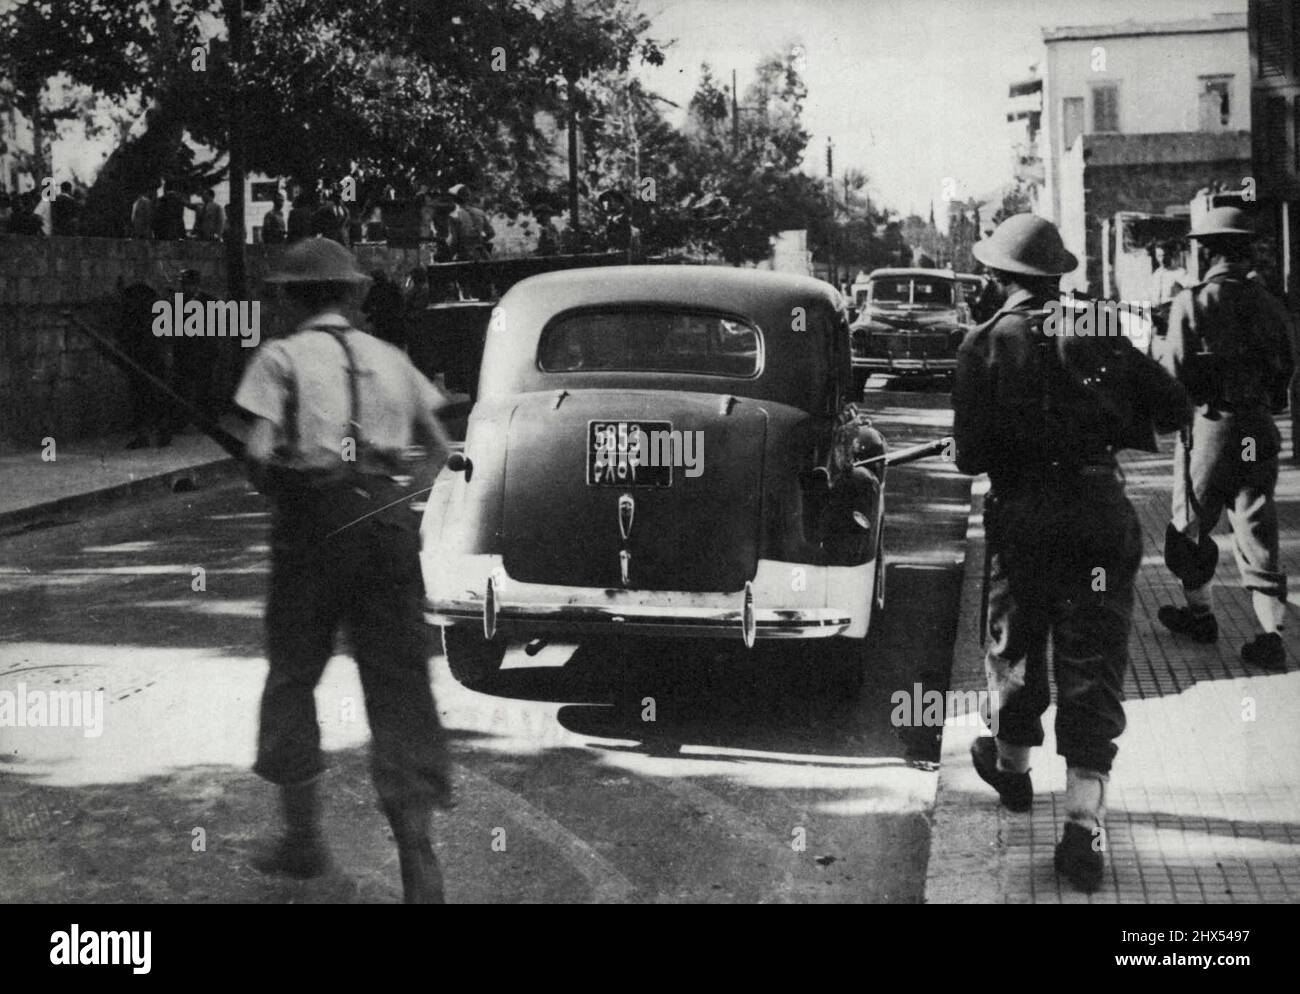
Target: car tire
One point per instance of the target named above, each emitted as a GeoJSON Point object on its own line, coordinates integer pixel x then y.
{"type": "Point", "coordinates": [473, 660]}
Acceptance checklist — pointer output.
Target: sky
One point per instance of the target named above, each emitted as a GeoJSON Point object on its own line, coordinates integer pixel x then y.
{"type": "Point", "coordinates": [911, 91]}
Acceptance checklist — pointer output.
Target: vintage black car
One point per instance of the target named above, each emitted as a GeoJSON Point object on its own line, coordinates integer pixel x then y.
{"type": "Point", "coordinates": [911, 321]}
{"type": "Point", "coordinates": [661, 451]}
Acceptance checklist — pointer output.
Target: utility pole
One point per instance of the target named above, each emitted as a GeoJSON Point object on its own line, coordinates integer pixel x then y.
{"type": "Point", "coordinates": [830, 233]}
{"type": "Point", "coordinates": [235, 276]}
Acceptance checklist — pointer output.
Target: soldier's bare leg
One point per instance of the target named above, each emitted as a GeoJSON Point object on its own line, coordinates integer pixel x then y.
{"type": "Point", "coordinates": [1253, 516]}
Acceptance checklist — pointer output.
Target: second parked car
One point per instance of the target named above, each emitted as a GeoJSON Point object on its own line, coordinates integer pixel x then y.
{"type": "Point", "coordinates": [911, 321]}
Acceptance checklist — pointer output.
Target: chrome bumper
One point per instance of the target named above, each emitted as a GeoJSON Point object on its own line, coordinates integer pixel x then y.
{"type": "Point", "coordinates": [741, 622]}
{"type": "Point", "coordinates": [891, 364]}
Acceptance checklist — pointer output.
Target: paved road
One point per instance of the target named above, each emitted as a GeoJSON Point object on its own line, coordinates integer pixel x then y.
{"type": "Point", "coordinates": [748, 786]}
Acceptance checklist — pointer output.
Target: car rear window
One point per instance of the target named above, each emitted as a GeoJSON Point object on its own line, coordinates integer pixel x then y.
{"type": "Point", "coordinates": [659, 341]}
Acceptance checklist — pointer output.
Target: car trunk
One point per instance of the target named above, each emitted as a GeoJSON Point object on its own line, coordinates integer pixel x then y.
{"type": "Point", "coordinates": [686, 528]}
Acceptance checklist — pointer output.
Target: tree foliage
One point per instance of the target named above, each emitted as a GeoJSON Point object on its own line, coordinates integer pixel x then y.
{"type": "Point", "coordinates": [402, 93]}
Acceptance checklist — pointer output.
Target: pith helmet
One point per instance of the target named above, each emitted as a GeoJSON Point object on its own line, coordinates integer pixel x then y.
{"type": "Point", "coordinates": [1028, 244]}
{"type": "Point", "coordinates": [317, 260]}
{"type": "Point", "coordinates": [1223, 222]}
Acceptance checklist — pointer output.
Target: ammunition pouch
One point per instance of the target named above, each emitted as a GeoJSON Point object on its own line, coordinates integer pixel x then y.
{"type": "Point", "coordinates": [1191, 562]}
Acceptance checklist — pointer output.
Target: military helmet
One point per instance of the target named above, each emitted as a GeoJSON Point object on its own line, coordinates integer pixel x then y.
{"type": "Point", "coordinates": [1027, 244]}
{"type": "Point", "coordinates": [1223, 222]}
{"type": "Point", "coordinates": [317, 260]}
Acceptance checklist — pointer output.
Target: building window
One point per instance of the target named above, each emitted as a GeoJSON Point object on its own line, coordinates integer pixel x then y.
{"type": "Point", "coordinates": [1105, 108]}
{"type": "Point", "coordinates": [1271, 37]}
{"type": "Point", "coordinates": [1071, 120]}
{"type": "Point", "coordinates": [1215, 99]}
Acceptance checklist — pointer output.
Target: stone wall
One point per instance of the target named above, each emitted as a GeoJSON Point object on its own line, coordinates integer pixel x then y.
{"type": "Point", "coordinates": [53, 381]}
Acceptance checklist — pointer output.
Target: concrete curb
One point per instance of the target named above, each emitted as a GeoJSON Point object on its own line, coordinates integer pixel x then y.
{"type": "Point", "coordinates": [63, 509]}
{"type": "Point", "coordinates": [965, 864]}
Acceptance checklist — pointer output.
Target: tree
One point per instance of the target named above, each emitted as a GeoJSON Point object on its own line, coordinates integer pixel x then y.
{"type": "Point", "coordinates": [401, 93]}
{"type": "Point", "coordinates": [127, 52]}
{"type": "Point", "coordinates": [1016, 199]}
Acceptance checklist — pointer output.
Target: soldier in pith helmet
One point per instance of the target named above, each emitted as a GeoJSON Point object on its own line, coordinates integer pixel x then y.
{"type": "Point", "coordinates": [1229, 342]}
{"type": "Point", "coordinates": [1044, 416]}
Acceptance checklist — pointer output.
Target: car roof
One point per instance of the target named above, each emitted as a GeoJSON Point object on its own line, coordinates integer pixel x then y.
{"type": "Point", "coordinates": [909, 271]}
{"type": "Point", "coordinates": [747, 292]}
{"type": "Point", "coordinates": [792, 373]}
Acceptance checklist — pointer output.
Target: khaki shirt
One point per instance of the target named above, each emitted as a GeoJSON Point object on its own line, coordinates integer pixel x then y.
{"type": "Point", "coordinates": [308, 370]}
{"type": "Point", "coordinates": [1229, 341]}
{"type": "Point", "coordinates": [1246, 330]}
{"type": "Point", "coordinates": [1104, 395]}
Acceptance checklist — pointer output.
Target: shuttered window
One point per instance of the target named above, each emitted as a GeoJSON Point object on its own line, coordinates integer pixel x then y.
{"type": "Point", "coordinates": [1105, 108]}
{"type": "Point", "coordinates": [1275, 42]}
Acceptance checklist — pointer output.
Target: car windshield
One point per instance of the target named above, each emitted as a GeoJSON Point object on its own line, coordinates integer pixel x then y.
{"type": "Point", "coordinates": [892, 290]}
{"type": "Point", "coordinates": [667, 341]}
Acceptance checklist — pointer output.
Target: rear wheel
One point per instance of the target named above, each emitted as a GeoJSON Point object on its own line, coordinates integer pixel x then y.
{"type": "Point", "coordinates": [473, 660]}
{"type": "Point", "coordinates": [846, 659]}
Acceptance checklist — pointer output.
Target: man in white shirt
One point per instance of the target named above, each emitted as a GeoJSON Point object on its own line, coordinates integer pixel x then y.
{"type": "Point", "coordinates": [1168, 278]}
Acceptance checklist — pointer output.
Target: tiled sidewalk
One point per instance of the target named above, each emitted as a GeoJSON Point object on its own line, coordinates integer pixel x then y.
{"type": "Point", "coordinates": [1204, 800]}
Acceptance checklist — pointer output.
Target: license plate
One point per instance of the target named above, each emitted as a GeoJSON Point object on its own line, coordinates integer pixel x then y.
{"type": "Point", "coordinates": [629, 454]}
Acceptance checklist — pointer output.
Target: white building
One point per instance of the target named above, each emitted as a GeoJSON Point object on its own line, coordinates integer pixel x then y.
{"type": "Point", "coordinates": [1136, 117]}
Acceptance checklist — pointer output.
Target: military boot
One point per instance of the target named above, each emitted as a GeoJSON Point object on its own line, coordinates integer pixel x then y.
{"type": "Point", "coordinates": [301, 851]}
{"type": "Point", "coordinates": [421, 877]}
{"type": "Point", "coordinates": [1266, 652]}
{"type": "Point", "coordinates": [1200, 626]}
{"type": "Point", "coordinates": [1015, 788]}
{"type": "Point", "coordinates": [1079, 853]}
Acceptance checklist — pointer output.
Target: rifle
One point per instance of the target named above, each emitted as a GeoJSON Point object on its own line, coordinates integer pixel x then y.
{"type": "Point", "coordinates": [115, 354]}
{"type": "Point", "coordinates": [910, 454]}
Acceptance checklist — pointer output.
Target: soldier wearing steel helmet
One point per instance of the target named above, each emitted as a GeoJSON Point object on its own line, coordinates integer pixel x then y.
{"type": "Point", "coordinates": [335, 457]}
{"type": "Point", "coordinates": [1229, 342]}
{"type": "Point", "coordinates": [1044, 414]}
